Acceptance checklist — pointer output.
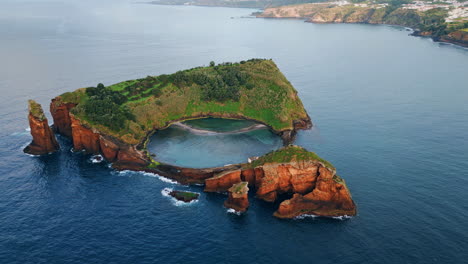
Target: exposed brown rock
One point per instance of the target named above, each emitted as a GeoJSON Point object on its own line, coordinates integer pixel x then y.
{"type": "Point", "coordinates": [330, 198]}
{"type": "Point", "coordinates": [83, 137]}
{"type": "Point", "coordinates": [131, 157]}
{"type": "Point", "coordinates": [248, 175]}
{"type": "Point", "coordinates": [293, 177]}
{"type": "Point", "coordinates": [183, 196]}
{"type": "Point", "coordinates": [44, 140]}
{"type": "Point", "coordinates": [109, 149]}
{"type": "Point", "coordinates": [60, 113]}
{"type": "Point", "coordinates": [458, 37]}
{"type": "Point", "coordinates": [238, 197]}
{"type": "Point", "coordinates": [223, 181]}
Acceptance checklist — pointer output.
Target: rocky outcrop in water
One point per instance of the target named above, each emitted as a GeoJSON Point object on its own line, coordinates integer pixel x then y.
{"type": "Point", "coordinates": [44, 140]}
{"type": "Point", "coordinates": [330, 197]}
{"type": "Point", "coordinates": [238, 197]}
{"type": "Point", "coordinates": [314, 186]}
{"type": "Point", "coordinates": [183, 196]}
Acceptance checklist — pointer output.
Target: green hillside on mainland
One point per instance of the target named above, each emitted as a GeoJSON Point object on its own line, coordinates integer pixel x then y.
{"type": "Point", "coordinates": [254, 89]}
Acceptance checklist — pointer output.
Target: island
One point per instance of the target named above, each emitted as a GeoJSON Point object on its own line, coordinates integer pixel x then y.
{"type": "Point", "coordinates": [117, 121]}
{"type": "Point", "coordinates": [184, 196]}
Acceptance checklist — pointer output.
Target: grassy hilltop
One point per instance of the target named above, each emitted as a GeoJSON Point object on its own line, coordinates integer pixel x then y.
{"type": "Point", "coordinates": [253, 89]}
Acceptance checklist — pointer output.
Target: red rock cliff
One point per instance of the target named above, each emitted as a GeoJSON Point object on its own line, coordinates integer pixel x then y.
{"type": "Point", "coordinates": [92, 141]}
{"type": "Point", "coordinates": [221, 182]}
{"type": "Point", "coordinates": [293, 177]}
{"type": "Point", "coordinates": [44, 140]}
{"type": "Point", "coordinates": [330, 197]}
{"type": "Point", "coordinates": [123, 155]}
{"type": "Point", "coordinates": [84, 138]}
{"type": "Point", "coordinates": [314, 186]}
{"type": "Point", "coordinates": [238, 197]}
{"type": "Point", "coordinates": [61, 115]}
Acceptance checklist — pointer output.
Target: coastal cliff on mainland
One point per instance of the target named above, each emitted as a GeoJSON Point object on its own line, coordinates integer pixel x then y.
{"type": "Point", "coordinates": [429, 23]}
{"type": "Point", "coordinates": [117, 122]}
{"type": "Point", "coordinates": [44, 140]}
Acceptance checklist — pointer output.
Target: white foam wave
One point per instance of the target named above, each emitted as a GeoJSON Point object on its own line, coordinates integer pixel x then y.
{"type": "Point", "coordinates": [165, 192]}
{"type": "Point", "coordinates": [149, 174]}
{"type": "Point", "coordinates": [19, 134]}
{"type": "Point", "coordinates": [304, 216]}
{"type": "Point", "coordinates": [96, 159]}
{"type": "Point", "coordinates": [232, 211]}
{"type": "Point", "coordinates": [343, 217]}
{"type": "Point", "coordinates": [124, 172]}
{"type": "Point", "coordinates": [28, 129]}
{"type": "Point", "coordinates": [161, 178]}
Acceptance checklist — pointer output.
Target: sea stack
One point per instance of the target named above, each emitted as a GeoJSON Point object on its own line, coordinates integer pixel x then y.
{"type": "Point", "coordinates": [44, 140]}
{"type": "Point", "coordinates": [238, 197]}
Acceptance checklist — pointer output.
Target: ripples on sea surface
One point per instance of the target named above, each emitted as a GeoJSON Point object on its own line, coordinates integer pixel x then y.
{"type": "Point", "coordinates": [389, 111]}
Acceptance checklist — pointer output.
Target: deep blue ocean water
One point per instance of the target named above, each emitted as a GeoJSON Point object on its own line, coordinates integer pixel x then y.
{"type": "Point", "coordinates": [390, 112]}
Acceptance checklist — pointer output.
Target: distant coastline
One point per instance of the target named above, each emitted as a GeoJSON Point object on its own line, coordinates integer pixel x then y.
{"type": "Point", "coordinates": [438, 23]}
{"type": "Point", "coordinates": [442, 22]}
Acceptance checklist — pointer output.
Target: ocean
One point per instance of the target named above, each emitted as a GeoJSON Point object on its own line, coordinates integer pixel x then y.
{"type": "Point", "coordinates": [389, 110]}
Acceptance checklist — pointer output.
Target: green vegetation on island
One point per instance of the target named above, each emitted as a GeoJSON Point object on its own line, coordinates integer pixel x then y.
{"type": "Point", "coordinates": [36, 110]}
{"type": "Point", "coordinates": [253, 89]}
{"type": "Point", "coordinates": [288, 154]}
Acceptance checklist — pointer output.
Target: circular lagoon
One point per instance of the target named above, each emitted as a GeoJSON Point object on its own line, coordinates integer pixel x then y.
{"type": "Point", "coordinates": [212, 142]}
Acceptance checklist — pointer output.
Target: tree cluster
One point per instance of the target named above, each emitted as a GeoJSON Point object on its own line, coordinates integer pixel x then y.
{"type": "Point", "coordinates": [104, 106]}
{"type": "Point", "coordinates": [222, 86]}
{"type": "Point", "coordinates": [147, 86]}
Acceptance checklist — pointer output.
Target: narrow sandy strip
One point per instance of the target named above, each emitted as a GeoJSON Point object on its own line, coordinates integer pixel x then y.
{"type": "Point", "coordinates": [209, 132]}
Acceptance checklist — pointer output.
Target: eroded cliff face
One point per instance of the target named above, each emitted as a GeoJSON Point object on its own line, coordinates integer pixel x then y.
{"type": "Point", "coordinates": [84, 138]}
{"type": "Point", "coordinates": [238, 197]}
{"type": "Point", "coordinates": [330, 198]}
{"type": "Point", "coordinates": [222, 181]}
{"type": "Point", "coordinates": [124, 156]}
{"type": "Point", "coordinates": [44, 140]}
{"type": "Point", "coordinates": [315, 188]}
{"type": "Point", "coordinates": [61, 115]}
{"type": "Point", "coordinates": [294, 177]}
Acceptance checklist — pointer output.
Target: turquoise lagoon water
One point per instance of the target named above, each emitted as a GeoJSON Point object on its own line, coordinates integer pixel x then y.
{"type": "Point", "coordinates": [215, 142]}
{"type": "Point", "coordinates": [390, 112]}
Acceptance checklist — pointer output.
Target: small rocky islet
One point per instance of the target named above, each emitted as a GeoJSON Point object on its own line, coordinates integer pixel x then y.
{"type": "Point", "coordinates": [184, 196]}
{"type": "Point", "coordinates": [117, 121]}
